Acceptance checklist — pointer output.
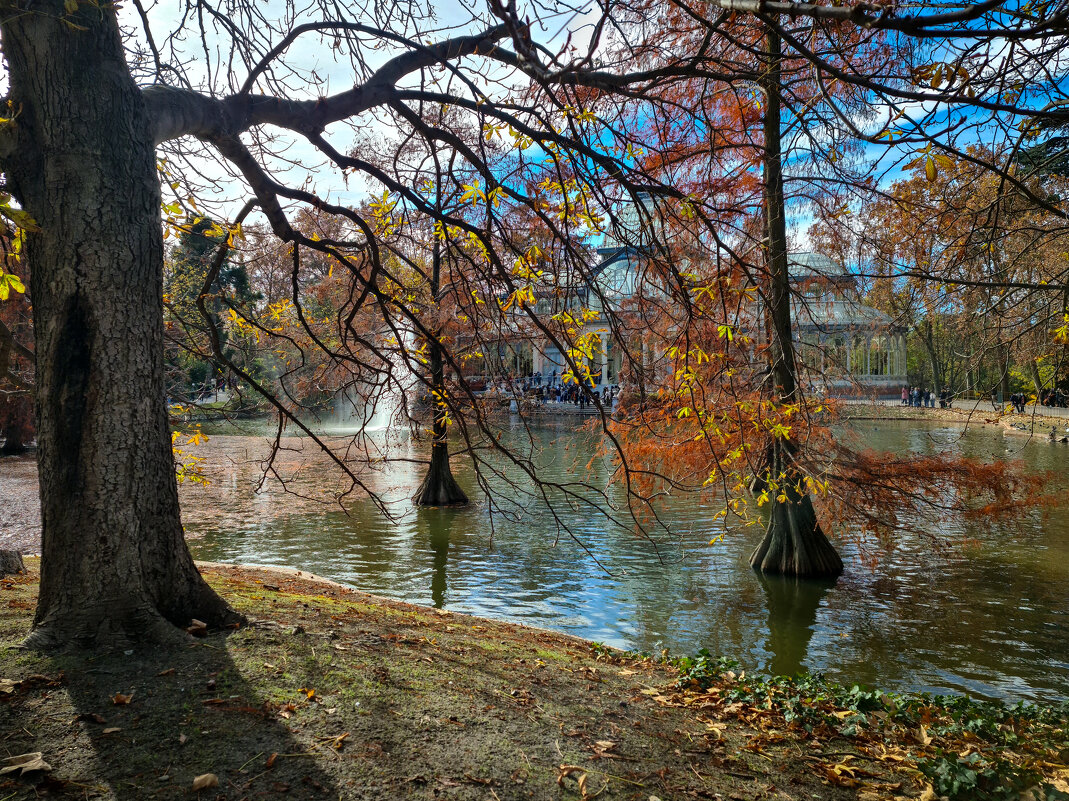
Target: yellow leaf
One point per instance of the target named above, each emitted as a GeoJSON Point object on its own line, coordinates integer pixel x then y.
{"type": "Point", "coordinates": [19, 217]}
{"type": "Point", "coordinates": [930, 170]}
{"type": "Point", "coordinates": [921, 736]}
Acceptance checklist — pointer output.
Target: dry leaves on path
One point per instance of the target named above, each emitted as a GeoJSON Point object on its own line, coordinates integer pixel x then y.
{"type": "Point", "coordinates": [25, 763]}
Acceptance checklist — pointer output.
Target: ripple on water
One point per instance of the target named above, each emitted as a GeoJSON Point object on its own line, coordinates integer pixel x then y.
{"type": "Point", "coordinates": [989, 620]}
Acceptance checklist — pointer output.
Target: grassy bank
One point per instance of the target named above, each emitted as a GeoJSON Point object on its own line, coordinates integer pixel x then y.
{"type": "Point", "coordinates": [334, 694]}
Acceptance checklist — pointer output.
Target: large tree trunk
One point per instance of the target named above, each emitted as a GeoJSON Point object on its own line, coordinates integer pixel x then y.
{"type": "Point", "coordinates": [439, 488]}
{"type": "Point", "coordinates": [1033, 374]}
{"type": "Point", "coordinates": [16, 423]}
{"type": "Point", "coordinates": [114, 567]}
{"type": "Point", "coordinates": [928, 337]}
{"type": "Point", "coordinates": [1004, 377]}
{"type": "Point", "coordinates": [794, 543]}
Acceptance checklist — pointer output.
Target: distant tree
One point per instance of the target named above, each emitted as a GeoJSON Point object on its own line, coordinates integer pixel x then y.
{"type": "Point", "coordinates": [967, 267]}
{"type": "Point", "coordinates": [16, 355]}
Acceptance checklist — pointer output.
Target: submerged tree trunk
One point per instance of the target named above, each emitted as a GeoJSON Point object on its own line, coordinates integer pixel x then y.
{"type": "Point", "coordinates": [115, 567]}
{"type": "Point", "coordinates": [794, 543]}
{"type": "Point", "coordinates": [439, 488]}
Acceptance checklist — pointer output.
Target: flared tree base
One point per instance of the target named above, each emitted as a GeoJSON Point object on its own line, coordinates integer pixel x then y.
{"type": "Point", "coordinates": [439, 488]}
{"type": "Point", "coordinates": [129, 619]}
{"type": "Point", "coordinates": [794, 544]}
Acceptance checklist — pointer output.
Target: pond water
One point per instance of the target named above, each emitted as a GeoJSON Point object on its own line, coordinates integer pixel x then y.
{"type": "Point", "coordinates": [990, 619]}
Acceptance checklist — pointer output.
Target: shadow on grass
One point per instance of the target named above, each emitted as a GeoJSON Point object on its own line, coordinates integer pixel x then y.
{"type": "Point", "coordinates": [190, 711]}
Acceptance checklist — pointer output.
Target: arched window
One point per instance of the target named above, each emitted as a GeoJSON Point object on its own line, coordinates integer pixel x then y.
{"type": "Point", "coordinates": [838, 353]}
{"type": "Point", "coordinates": [877, 356]}
{"type": "Point", "coordinates": [857, 356]}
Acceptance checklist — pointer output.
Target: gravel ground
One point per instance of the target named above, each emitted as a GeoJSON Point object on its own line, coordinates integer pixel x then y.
{"type": "Point", "coordinates": [20, 506]}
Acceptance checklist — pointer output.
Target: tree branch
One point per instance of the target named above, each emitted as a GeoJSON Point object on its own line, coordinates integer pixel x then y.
{"type": "Point", "coordinates": [179, 112]}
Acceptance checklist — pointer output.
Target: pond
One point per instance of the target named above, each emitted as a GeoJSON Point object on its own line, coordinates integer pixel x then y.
{"type": "Point", "coordinates": [990, 619]}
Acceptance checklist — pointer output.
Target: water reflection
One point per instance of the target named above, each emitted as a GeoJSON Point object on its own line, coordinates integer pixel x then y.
{"type": "Point", "coordinates": [991, 619]}
{"type": "Point", "coordinates": [792, 605]}
{"type": "Point", "coordinates": [437, 525]}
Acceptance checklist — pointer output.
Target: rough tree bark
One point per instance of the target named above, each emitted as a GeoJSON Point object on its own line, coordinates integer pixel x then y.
{"type": "Point", "coordinates": [794, 543]}
{"type": "Point", "coordinates": [11, 562]}
{"type": "Point", "coordinates": [439, 488]}
{"type": "Point", "coordinates": [115, 567]}
{"type": "Point", "coordinates": [16, 423]}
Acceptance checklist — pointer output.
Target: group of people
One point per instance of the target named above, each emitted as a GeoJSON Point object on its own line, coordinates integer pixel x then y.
{"type": "Point", "coordinates": [549, 389]}
{"type": "Point", "coordinates": [1054, 397]}
{"type": "Point", "coordinates": [578, 395]}
{"type": "Point", "coordinates": [925, 398]}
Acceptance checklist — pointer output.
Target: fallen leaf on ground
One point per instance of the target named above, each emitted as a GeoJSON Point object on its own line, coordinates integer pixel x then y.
{"type": "Point", "coordinates": [602, 749]}
{"type": "Point", "coordinates": [271, 761]}
{"type": "Point", "coordinates": [205, 781]}
{"type": "Point", "coordinates": [198, 628]}
{"type": "Point", "coordinates": [111, 730]}
{"type": "Point", "coordinates": [122, 700]}
{"type": "Point", "coordinates": [841, 774]}
{"type": "Point", "coordinates": [24, 763]}
{"type": "Point", "coordinates": [168, 672]}
{"type": "Point", "coordinates": [564, 771]}
{"type": "Point", "coordinates": [7, 686]}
